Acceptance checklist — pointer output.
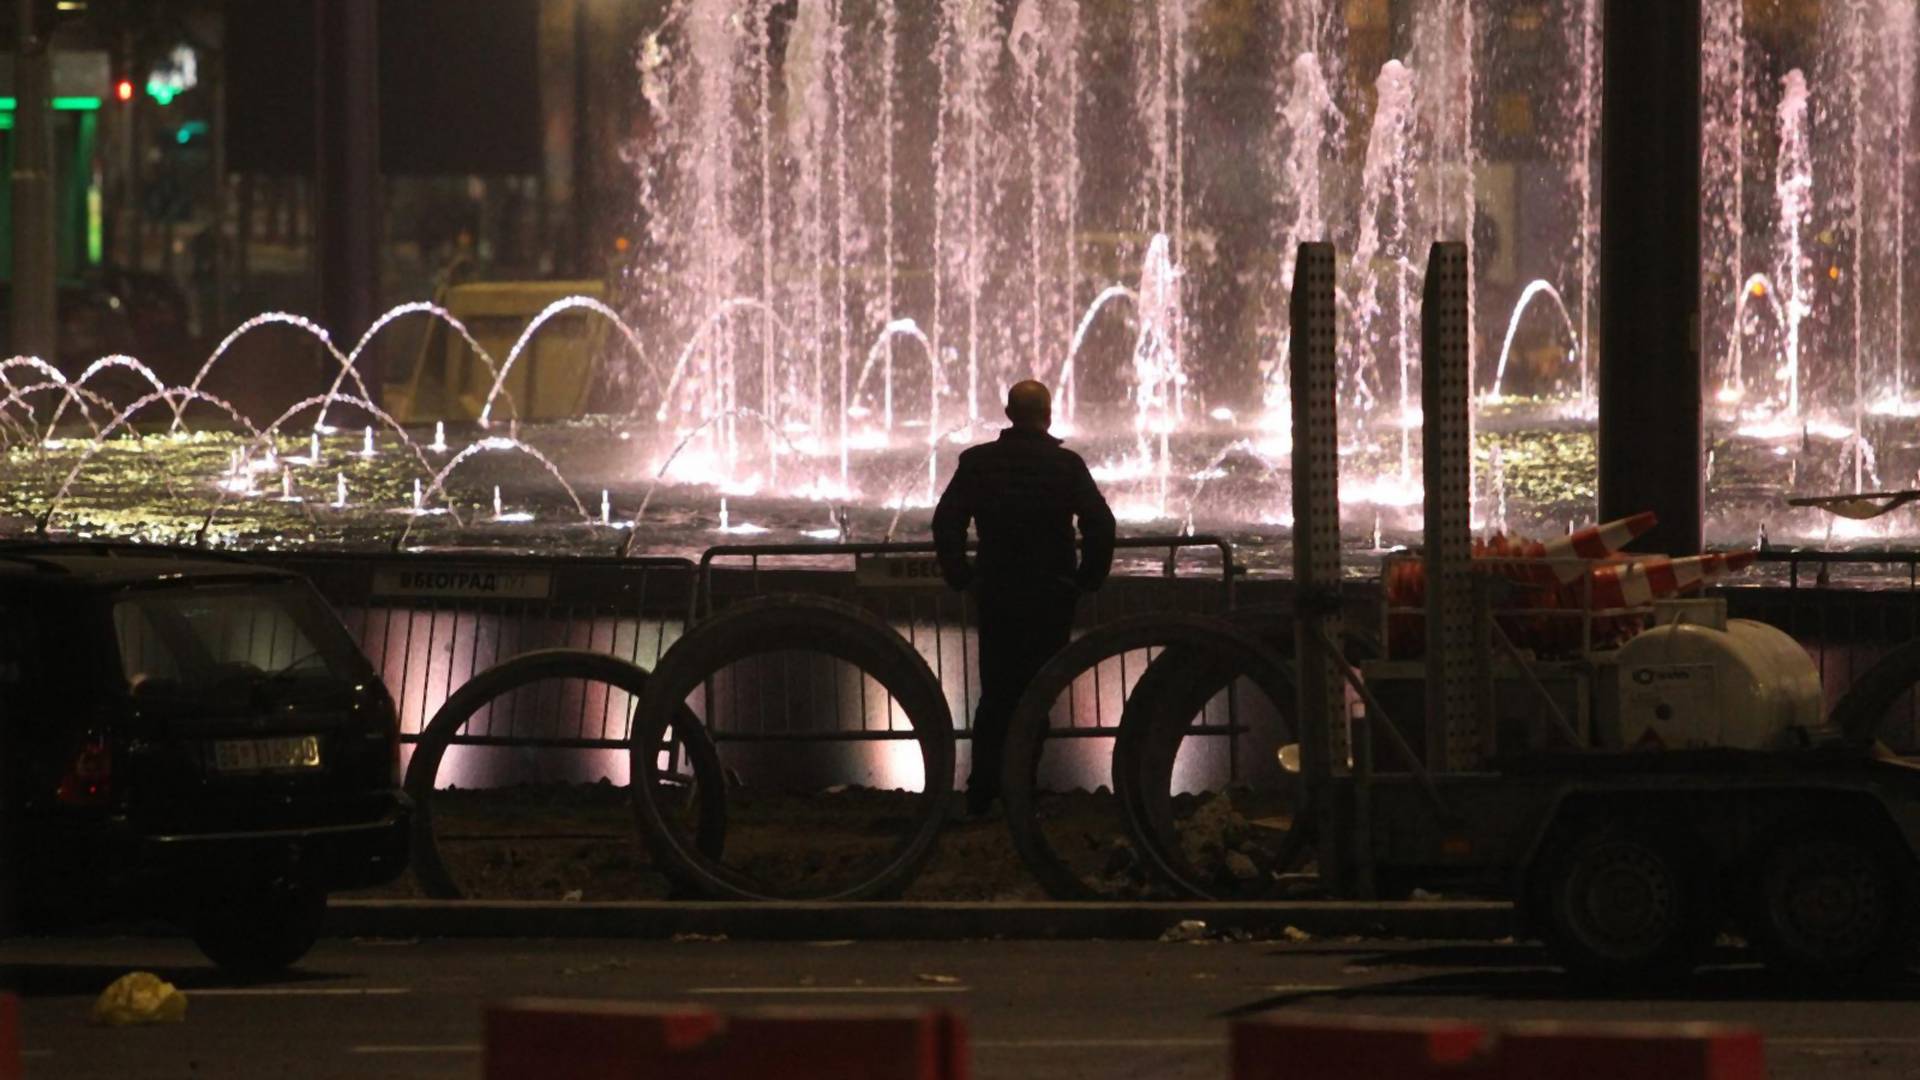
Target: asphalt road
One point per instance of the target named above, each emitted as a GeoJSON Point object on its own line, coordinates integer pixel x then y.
{"type": "Point", "coordinates": [1034, 1009]}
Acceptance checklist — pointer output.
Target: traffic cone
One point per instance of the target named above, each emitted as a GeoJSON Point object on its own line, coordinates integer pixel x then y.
{"type": "Point", "coordinates": [1560, 562]}
{"type": "Point", "coordinates": [1593, 542]}
{"type": "Point", "coordinates": [1634, 584]}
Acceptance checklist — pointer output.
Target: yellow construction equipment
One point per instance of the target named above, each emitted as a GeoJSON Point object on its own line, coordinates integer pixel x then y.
{"type": "Point", "coordinates": [549, 380]}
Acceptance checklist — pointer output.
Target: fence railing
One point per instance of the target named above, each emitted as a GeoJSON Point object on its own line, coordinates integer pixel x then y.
{"type": "Point", "coordinates": [430, 621]}
{"type": "Point", "coordinates": [900, 584]}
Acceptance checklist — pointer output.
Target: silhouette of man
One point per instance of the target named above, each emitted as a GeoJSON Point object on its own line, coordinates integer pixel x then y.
{"type": "Point", "coordinates": [1023, 493]}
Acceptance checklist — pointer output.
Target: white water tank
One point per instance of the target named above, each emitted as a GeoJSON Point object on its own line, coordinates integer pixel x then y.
{"type": "Point", "coordinates": [1699, 679]}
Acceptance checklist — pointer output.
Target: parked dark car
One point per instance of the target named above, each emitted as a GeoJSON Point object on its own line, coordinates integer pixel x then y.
{"type": "Point", "coordinates": [156, 312]}
{"type": "Point", "coordinates": [193, 740]}
{"type": "Point", "coordinates": [93, 322]}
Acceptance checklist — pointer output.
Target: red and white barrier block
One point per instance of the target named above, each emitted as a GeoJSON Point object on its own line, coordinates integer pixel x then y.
{"type": "Point", "coordinates": [539, 1039]}
{"type": "Point", "coordinates": [10, 1068]}
{"type": "Point", "coordinates": [1298, 1046]}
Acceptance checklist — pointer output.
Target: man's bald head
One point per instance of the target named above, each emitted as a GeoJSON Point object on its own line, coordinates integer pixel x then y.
{"type": "Point", "coordinates": [1030, 405]}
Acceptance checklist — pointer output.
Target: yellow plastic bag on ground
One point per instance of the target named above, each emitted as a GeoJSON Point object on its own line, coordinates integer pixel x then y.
{"type": "Point", "coordinates": [140, 998]}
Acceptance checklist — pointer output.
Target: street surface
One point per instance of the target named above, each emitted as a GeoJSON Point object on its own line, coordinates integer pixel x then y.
{"type": "Point", "coordinates": [1035, 1009]}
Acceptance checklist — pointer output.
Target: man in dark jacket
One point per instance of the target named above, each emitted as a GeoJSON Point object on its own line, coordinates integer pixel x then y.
{"type": "Point", "coordinates": [1023, 492]}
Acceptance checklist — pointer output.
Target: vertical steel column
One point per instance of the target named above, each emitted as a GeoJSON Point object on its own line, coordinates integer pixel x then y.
{"type": "Point", "coordinates": [35, 258]}
{"type": "Point", "coordinates": [585, 261]}
{"type": "Point", "coordinates": [347, 168]}
{"type": "Point", "coordinates": [1452, 719]}
{"type": "Point", "coordinates": [1320, 697]}
{"type": "Point", "coordinates": [222, 189]}
{"type": "Point", "coordinates": [1650, 424]}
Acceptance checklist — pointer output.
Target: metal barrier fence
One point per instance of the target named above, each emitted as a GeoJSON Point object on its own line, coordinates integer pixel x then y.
{"type": "Point", "coordinates": [429, 622]}
{"type": "Point", "coordinates": [900, 584]}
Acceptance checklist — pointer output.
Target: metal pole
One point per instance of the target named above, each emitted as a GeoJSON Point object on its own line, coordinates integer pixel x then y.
{"type": "Point", "coordinates": [1650, 379]}
{"type": "Point", "coordinates": [1452, 721]}
{"type": "Point", "coordinates": [347, 167]}
{"type": "Point", "coordinates": [35, 330]}
{"type": "Point", "coordinates": [1319, 701]}
{"type": "Point", "coordinates": [585, 248]}
{"type": "Point", "coordinates": [221, 185]}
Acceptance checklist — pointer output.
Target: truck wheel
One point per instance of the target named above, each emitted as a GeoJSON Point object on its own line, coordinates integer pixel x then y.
{"type": "Point", "coordinates": [262, 930]}
{"type": "Point", "coordinates": [1620, 907]}
{"type": "Point", "coordinates": [1830, 908]}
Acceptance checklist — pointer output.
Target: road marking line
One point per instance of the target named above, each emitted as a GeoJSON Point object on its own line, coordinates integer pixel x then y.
{"type": "Point", "coordinates": [1096, 1044]}
{"type": "Point", "coordinates": [831, 990]}
{"type": "Point", "coordinates": [1303, 988]}
{"type": "Point", "coordinates": [36, 1053]}
{"type": "Point", "coordinates": [423, 1048]}
{"type": "Point", "coordinates": [299, 991]}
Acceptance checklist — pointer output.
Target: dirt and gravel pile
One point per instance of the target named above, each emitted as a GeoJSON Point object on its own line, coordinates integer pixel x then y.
{"type": "Point", "coordinates": [1223, 845]}
{"type": "Point", "coordinates": [579, 842]}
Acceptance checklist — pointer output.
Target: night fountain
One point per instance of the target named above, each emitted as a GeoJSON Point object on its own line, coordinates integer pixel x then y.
{"type": "Point", "coordinates": [1808, 172]}
{"type": "Point", "coordinates": [860, 220]}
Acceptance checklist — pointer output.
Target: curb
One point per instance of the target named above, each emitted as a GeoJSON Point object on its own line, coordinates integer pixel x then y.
{"type": "Point", "coordinates": [1454, 920]}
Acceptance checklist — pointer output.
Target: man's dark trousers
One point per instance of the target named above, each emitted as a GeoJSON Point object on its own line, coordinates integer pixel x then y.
{"type": "Point", "coordinates": [1023, 622]}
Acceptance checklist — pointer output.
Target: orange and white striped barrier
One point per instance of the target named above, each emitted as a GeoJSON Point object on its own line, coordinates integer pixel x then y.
{"type": "Point", "coordinates": [1559, 561]}
{"type": "Point", "coordinates": [1634, 584]}
{"type": "Point", "coordinates": [1600, 541]}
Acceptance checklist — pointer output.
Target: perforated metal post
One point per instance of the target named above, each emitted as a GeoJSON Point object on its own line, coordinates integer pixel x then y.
{"type": "Point", "coordinates": [1320, 695]}
{"type": "Point", "coordinates": [1453, 722]}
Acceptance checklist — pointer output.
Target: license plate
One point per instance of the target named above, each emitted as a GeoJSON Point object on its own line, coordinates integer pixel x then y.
{"type": "Point", "coordinates": [267, 755]}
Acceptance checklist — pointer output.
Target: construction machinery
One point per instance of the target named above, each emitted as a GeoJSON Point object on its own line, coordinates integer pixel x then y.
{"type": "Point", "coordinates": [1637, 774]}
{"type": "Point", "coordinates": [485, 357]}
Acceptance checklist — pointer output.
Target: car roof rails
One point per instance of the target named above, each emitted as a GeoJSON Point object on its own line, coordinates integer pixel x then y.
{"type": "Point", "coordinates": [43, 565]}
{"type": "Point", "coordinates": [27, 549]}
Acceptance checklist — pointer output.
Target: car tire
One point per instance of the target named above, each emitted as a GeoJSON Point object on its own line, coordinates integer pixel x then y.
{"type": "Point", "coordinates": [261, 931]}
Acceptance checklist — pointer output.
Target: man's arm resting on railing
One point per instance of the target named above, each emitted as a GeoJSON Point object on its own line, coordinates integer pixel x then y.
{"type": "Point", "coordinates": [950, 520]}
{"type": "Point", "coordinates": [1096, 531]}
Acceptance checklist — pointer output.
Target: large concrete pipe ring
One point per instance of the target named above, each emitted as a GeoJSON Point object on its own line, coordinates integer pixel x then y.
{"type": "Point", "coordinates": [1027, 735]}
{"type": "Point", "coordinates": [1176, 686]}
{"type": "Point", "coordinates": [430, 870]}
{"type": "Point", "coordinates": [1865, 712]}
{"type": "Point", "coordinates": [797, 624]}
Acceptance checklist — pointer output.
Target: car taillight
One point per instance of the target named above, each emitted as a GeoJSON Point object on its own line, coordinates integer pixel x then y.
{"type": "Point", "coordinates": [89, 780]}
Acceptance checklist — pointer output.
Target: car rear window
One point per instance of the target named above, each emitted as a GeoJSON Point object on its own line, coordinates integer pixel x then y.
{"type": "Point", "coordinates": [194, 635]}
